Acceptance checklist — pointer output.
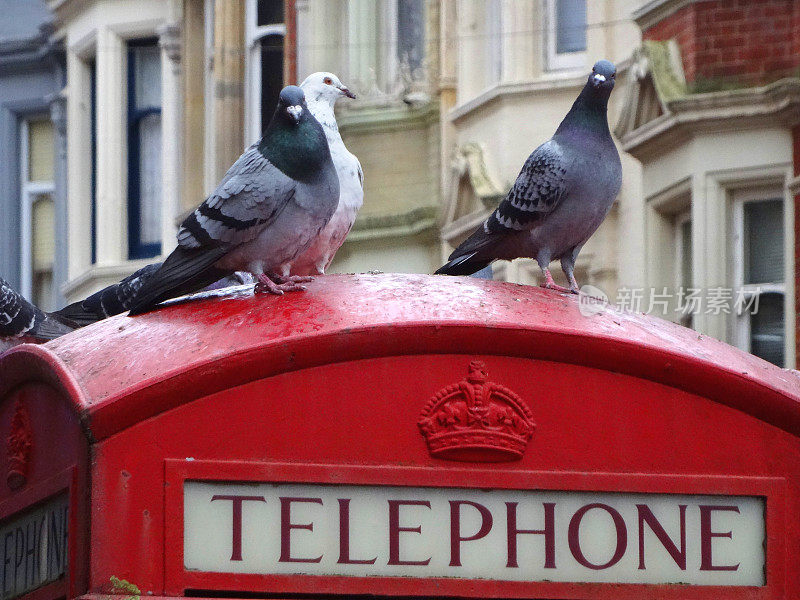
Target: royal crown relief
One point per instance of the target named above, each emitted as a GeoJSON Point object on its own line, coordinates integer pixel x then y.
{"type": "Point", "coordinates": [476, 420]}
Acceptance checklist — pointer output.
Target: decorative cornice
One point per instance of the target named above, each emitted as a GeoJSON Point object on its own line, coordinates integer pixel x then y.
{"type": "Point", "coordinates": [794, 186]}
{"type": "Point", "coordinates": [39, 51]}
{"type": "Point", "coordinates": [718, 111]}
{"type": "Point", "coordinates": [169, 38]}
{"type": "Point", "coordinates": [413, 222]}
{"type": "Point", "coordinates": [384, 119]}
{"type": "Point", "coordinates": [656, 11]}
{"type": "Point", "coordinates": [570, 80]}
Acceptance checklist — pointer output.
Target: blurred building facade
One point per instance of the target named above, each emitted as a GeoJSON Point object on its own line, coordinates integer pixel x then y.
{"type": "Point", "coordinates": [161, 96]}
{"type": "Point", "coordinates": [32, 176]}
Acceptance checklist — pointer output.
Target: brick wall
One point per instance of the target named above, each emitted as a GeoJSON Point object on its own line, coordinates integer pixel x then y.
{"type": "Point", "coordinates": [744, 42]}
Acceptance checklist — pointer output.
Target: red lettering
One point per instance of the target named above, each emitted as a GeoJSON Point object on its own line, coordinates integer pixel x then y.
{"type": "Point", "coordinates": [287, 526]}
{"type": "Point", "coordinates": [647, 516]}
{"type": "Point", "coordinates": [549, 533]}
{"type": "Point", "coordinates": [395, 530]}
{"type": "Point", "coordinates": [573, 536]}
{"type": "Point", "coordinates": [344, 537]}
{"type": "Point", "coordinates": [455, 528]}
{"type": "Point", "coordinates": [706, 537]}
{"type": "Point", "coordinates": [236, 503]}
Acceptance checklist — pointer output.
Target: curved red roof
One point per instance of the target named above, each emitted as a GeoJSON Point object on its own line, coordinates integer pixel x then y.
{"type": "Point", "coordinates": [124, 369]}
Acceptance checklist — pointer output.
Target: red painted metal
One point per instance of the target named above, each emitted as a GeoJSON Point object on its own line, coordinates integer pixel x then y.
{"type": "Point", "coordinates": [328, 386]}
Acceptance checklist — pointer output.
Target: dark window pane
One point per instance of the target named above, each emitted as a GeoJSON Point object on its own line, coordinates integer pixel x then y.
{"type": "Point", "coordinates": [410, 33]}
{"type": "Point", "coordinates": [766, 328]}
{"type": "Point", "coordinates": [763, 241]}
{"type": "Point", "coordinates": [270, 12]}
{"type": "Point", "coordinates": [570, 26]}
{"type": "Point", "coordinates": [144, 149]}
{"type": "Point", "coordinates": [271, 75]}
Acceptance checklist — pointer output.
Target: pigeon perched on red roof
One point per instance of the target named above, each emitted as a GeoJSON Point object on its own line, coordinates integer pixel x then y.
{"type": "Point", "coordinates": [268, 208]}
{"type": "Point", "coordinates": [563, 193]}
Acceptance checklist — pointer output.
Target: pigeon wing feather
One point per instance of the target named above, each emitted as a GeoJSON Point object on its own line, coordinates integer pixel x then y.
{"type": "Point", "coordinates": [249, 198]}
{"type": "Point", "coordinates": [537, 191]}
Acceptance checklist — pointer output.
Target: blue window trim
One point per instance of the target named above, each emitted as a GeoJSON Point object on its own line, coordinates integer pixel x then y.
{"type": "Point", "coordinates": [136, 248]}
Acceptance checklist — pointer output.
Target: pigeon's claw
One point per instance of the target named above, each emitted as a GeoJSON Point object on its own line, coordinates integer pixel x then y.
{"type": "Point", "coordinates": [269, 283]}
{"type": "Point", "coordinates": [573, 285]}
{"type": "Point", "coordinates": [552, 285]}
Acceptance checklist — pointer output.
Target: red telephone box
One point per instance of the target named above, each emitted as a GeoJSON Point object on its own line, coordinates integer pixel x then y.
{"type": "Point", "coordinates": [397, 435]}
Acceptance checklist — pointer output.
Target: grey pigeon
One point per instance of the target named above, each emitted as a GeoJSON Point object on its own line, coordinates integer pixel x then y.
{"type": "Point", "coordinates": [118, 297]}
{"type": "Point", "coordinates": [21, 321]}
{"type": "Point", "coordinates": [562, 194]}
{"type": "Point", "coordinates": [268, 208]}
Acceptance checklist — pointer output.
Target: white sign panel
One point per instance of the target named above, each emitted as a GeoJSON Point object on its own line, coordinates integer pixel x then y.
{"type": "Point", "coordinates": [33, 547]}
{"type": "Point", "coordinates": [513, 535]}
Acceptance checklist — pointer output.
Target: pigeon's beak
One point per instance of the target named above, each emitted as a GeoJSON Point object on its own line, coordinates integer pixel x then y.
{"type": "Point", "coordinates": [347, 93]}
{"type": "Point", "coordinates": [597, 79]}
{"type": "Point", "coordinates": [295, 112]}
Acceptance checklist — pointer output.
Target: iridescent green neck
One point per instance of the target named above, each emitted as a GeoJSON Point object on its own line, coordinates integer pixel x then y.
{"type": "Point", "coordinates": [298, 150]}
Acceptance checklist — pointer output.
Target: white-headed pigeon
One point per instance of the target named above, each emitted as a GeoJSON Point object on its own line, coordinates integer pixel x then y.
{"type": "Point", "coordinates": [322, 91]}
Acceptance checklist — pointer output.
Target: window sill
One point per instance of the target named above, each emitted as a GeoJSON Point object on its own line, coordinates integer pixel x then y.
{"type": "Point", "coordinates": [546, 83]}
{"type": "Point", "coordinates": [97, 277]}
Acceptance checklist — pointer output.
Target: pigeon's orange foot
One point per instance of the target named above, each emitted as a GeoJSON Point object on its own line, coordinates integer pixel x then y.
{"type": "Point", "coordinates": [275, 284]}
{"type": "Point", "coordinates": [549, 284]}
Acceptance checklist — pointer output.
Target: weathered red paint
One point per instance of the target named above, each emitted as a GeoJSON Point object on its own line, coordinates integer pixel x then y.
{"type": "Point", "coordinates": [328, 386]}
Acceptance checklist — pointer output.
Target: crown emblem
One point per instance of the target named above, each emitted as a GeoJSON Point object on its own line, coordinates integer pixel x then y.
{"type": "Point", "coordinates": [476, 420]}
{"type": "Point", "coordinates": [18, 446]}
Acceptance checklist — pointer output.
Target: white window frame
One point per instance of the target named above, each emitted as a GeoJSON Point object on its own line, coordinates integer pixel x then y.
{"type": "Point", "coordinates": [687, 320]}
{"type": "Point", "coordinates": [253, 36]}
{"type": "Point", "coordinates": [28, 192]}
{"type": "Point", "coordinates": [559, 61]}
{"type": "Point", "coordinates": [741, 326]}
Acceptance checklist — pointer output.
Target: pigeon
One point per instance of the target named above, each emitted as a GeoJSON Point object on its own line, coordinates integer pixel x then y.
{"type": "Point", "coordinates": [115, 299]}
{"type": "Point", "coordinates": [21, 321]}
{"type": "Point", "coordinates": [322, 91]}
{"type": "Point", "coordinates": [268, 208]}
{"type": "Point", "coordinates": [562, 194]}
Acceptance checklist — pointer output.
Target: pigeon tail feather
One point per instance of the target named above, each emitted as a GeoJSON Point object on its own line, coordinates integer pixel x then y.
{"type": "Point", "coordinates": [53, 326]}
{"type": "Point", "coordinates": [466, 264]}
{"type": "Point", "coordinates": [184, 272]}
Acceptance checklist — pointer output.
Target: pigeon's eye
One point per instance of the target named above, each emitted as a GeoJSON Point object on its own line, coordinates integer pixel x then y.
{"type": "Point", "coordinates": [327, 81]}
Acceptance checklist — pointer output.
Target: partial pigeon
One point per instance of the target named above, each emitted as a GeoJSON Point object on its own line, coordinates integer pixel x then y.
{"type": "Point", "coordinates": [21, 321]}
{"type": "Point", "coordinates": [268, 208]}
{"type": "Point", "coordinates": [109, 301]}
{"type": "Point", "coordinates": [560, 197]}
{"type": "Point", "coordinates": [117, 298]}
{"type": "Point", "coordinates": [322, 91]}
